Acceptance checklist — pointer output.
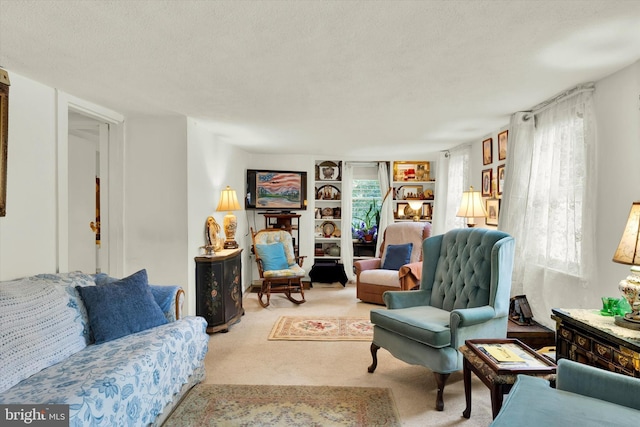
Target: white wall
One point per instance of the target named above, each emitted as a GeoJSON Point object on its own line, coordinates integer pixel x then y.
{"type": "Point", "coordinates": [212, 165]}
{"type": "Point", "coordinates": [155, 185]}
{"type": "Point", "coordinates": [28, 231]}
{"type": "Point", "coordinates": [618, 110]}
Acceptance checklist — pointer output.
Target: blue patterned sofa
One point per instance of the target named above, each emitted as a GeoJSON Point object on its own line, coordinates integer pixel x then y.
{"type": "Point", "coordinates": [49, 354]}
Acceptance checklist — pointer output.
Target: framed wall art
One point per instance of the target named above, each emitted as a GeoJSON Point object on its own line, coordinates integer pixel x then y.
{"type": "Point", "coordinates": [4, 138]}
{"type": "Point", "coordinates": [487, 151]}
{"type": "Point", "coordinates": [400, 208]}
{"type": "Point", "coordinates": [500, 172]}
{"type": "Point", "coordinates": [493, 211]}
{"type": "Point", "coordinates": [411, 171]}
{"type": "Point", "coordinates": [487, 177]}
{"type": "Point", "coordinates": [426, 210]}
{"type": "Point", "coordinates": [502, 144]}
{"type": "Point", "coordinates": [407, 192]}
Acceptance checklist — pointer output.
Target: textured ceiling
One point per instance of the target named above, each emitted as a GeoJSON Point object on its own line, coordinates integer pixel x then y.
{"type": "Point", "coordinates": [348, 78]}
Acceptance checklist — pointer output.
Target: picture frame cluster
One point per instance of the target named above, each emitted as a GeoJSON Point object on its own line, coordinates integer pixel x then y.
{"type": "Point", "coordinates": [492, 185]}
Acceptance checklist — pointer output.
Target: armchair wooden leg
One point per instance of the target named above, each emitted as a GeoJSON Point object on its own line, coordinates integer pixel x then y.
{"type": "Point", "coordinates": [374, 355]}
{"type": "Point", "coordinates": [441, 379]}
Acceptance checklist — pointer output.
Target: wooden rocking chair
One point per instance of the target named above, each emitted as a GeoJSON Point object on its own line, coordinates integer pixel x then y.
{"type": "Point", "coordinates": [280, 270]}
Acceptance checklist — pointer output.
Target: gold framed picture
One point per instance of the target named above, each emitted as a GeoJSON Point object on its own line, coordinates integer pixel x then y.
{"type": "Point", "coordinates": [4, 138]}
{"type": "Point", "coordinates": [487, 178]}
{"type": "Point", "coordinates": [500, 178]}
{"type": "Point", "coordinates": [493, 211]}
{"type": "Point", "coordinates": [502, 144]}
{"type": "Point", "coordinates": [487, 151]}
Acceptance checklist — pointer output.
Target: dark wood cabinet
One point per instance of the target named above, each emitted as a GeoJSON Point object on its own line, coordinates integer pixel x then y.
{"type": "Point", "coordinates": [219, 289]}
{"type": "Point", "coordinates": [534, 335]}
{"type": "Point", "coordinates": [587, 337]}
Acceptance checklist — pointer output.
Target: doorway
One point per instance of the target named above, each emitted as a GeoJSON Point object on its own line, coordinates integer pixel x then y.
{"type": "Point", "coordinates": [87, 157]}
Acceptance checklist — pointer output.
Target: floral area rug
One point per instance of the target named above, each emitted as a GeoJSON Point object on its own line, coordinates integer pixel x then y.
{"type": "Point", "coordinates": [264, 405]}
{"type": "Point", "coordinates": [298, 328]}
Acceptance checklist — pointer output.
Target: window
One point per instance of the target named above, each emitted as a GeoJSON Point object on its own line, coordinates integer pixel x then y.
{"type": "Point", "coordinates": [366, 200]}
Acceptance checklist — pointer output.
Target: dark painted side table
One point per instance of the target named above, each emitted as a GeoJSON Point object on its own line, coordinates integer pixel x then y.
{"type": "Point", "coordinates": [585, 336]}
{"type": "Point", "coordinates": [219, 289]}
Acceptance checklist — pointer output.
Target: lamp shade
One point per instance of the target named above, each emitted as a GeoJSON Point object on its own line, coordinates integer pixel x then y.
{"type": "Point", "coordinates": [628, 251]}
{"type": "Point", "coordinates": [228, 201]}
{"type": "Point", "coordinates": [472, 205]}
{"type": "Point", "coordinates": [416, 205]}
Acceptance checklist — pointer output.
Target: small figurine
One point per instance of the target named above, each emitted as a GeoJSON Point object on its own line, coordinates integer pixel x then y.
{"type": "Point", "coordinates": [212, 241]}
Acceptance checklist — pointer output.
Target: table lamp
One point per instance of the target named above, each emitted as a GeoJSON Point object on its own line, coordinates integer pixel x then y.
{"type": "Point", "coordinates": [471, 207]}
{"type": "Point", "coordinates": [416, 207]}
{"type": "Point", "coordinates": [228, 203]}
{"type": "Point", "coordinates": [628, 252]}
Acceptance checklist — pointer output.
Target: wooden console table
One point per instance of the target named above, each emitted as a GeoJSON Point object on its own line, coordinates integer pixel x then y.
{"type": "Point", "coordinates": [588, 337]}
{"type": "Point", "coordinates": [219, 289]}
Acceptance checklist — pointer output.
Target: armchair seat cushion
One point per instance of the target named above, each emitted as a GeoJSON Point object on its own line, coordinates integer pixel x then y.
{"type": "Point", "coordinates": [424, 324]}
{"type": "Point", "coordinates": [381, 277]}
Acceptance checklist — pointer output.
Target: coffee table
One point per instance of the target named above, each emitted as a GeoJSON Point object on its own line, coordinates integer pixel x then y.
{"type": "Point", "coordinates": [500, 376]}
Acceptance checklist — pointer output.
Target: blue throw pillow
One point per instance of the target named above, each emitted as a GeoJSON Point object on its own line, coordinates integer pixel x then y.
{"type": "Point", "coordinates": [121, 308]}
{"type": "Point", "coordinates": [272, 256]}
{"type": "Point", "coordinates": [396, 256]}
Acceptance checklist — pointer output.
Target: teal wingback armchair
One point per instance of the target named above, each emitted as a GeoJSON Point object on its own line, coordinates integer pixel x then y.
{"type": "Point", "coordinates": [584, 395]}
{"type": "Point", "coordinates": [464, 294]}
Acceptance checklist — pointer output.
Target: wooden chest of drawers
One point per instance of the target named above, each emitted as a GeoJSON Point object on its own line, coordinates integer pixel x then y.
{"type": "Point", "coordinates": [592, 339]}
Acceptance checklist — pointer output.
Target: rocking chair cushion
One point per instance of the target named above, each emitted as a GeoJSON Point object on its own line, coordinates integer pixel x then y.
{"type": "Point", "coordinates": [292, 271]}
{"type": "Point", "coordinates": [272, 256]}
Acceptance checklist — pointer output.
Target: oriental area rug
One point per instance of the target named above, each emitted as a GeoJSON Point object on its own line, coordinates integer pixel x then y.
{"type": "Point", "coordinates": [337, 328]}
{"type": "Point", "coordinates": [209, 405]}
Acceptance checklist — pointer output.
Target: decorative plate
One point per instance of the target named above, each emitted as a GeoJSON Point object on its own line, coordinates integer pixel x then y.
{"type": "Point", "coordinates": [328, 228]}
{"type": "Point", "coordinates": [328, 171]}
{"type": "Point", "coordinates": [328, 192]}
{"type": "Point", "coordinates": [327, 211]}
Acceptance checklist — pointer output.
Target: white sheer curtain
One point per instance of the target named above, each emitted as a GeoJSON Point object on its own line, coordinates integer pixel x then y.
{"type": "Point", "coordinates": [452, 178]}
{"type": "Point", "coordinates": [346, 240]}
{"type": "Point", "coordinates": [386, 212]}
{"type": "Point", "coordinates": [548, 203]}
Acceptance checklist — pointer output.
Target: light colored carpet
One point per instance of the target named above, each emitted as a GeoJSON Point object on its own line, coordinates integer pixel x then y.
{"type": "Point", "coordinates": [209, 405]}
{"type": "Point", "coordinates": [322, 328]}
{"type": "Point", "coordinates": [244, 355]}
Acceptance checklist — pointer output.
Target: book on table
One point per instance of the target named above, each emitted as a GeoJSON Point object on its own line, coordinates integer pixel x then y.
{"type": "Point", "coordinates": [510, 356]}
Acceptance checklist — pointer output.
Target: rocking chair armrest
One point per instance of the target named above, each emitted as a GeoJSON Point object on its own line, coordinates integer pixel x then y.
{"type": "Point", "coordinates": [260, 266]}
{"type": "Point", "coordinates": [300, 259]}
